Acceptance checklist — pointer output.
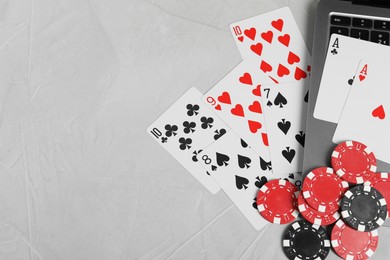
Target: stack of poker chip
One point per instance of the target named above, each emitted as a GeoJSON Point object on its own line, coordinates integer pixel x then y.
{"type": "Point", "coordinates": [348, 200]}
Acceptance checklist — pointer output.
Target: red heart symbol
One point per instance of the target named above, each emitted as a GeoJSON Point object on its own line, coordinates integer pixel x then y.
{"type": "Point", "coordinates": [254, 126]}
{"type": "Point", "coordinates": [250, 33]}
{"type": "Point", "coordinates": [224, 98]}
{"type": "Point", "coordinates": [362, 77]}
{"type": "Point", "coordinates": [282, 70]}
{"type": "Point", "coordinates": [292, 58]}
{"type": "Point", "coordinates": [218, 107]}
{"type": "Point", "coordinates": [265, 67]}
{"type": "Point", "coordinates": [267, 36]}
{"type": "Point", "coordinates": [278, 24]}
{"type": "Point", "coordinates": [241, 38]}
{"type": "Point", "coordinates": [285, 39]}
{"type": "Point", "coordinates": [257, 48]}
{"type": "Point", "coordinates": [246, 79]}
{"type": "Point", "coordinates": [255, 107]}
{"type": "Point", "coordinates": [257, 91]}
{"type": "Point", "coordinates": [379, 112]}
{"type": "Point", "coordinates": [264, 136]}
{"type": "Point", "coordinates": [299, 74]}
{"type": "Point", "coordinates": [308, 68]}
{"type": "Point", "coordinates": [237, 110]}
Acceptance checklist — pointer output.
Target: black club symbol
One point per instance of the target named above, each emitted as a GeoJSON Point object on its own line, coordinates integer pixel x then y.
{"type": "Point", "coordinates": [195, 157]}
{"type": "Point", "coordinates": [185, 143]}
{"type": "Point", "coordinates": [189, 127]}
{"type": "Point", "coordinates": [171, 130]}
{"type": "Point", "coordinates": [255, 203]}
{"type": "Point", "coordinates": [192, 109]}
{"type": "Point", "coordinates": [207, 122]}
{"type": "Point", "coordinates": [164, 139]}
{"type": "Point", "coordinates": [334, 51]}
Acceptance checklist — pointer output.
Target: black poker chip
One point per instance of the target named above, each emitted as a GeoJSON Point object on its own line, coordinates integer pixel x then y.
{"type": "Point", "coordinates": [363, 208]}
{"type": "Point", "coordinates": [303, 240]}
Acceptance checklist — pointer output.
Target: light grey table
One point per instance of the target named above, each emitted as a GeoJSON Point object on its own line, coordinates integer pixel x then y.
{"type": "Point", "coordinates": [79, 83]}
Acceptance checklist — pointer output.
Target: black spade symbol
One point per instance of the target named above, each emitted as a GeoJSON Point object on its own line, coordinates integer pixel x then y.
{"type": "Point", "coordinates": [284, 126]}
{"type": "Point", "coordinates": [289, 154]}
{"type": "Point", "coordinates": [280, 100]}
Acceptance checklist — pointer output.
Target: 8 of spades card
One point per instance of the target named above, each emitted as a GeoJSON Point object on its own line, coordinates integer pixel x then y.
{"type": "Point", "coordinates": [186, 128]}
{"type": "Point", "coordinates": [240, 172]}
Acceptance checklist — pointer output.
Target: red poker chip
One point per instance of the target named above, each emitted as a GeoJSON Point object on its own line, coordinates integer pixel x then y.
{"type": "Point", "coordinates": [277, 201]}
{"type": "Point", "coordinates": [352, 244]}
{"type": "Point", "coordinates": [381, 182]}
{"type": "Point", "coordinates": [323, 189]}
{"type": "Point", "coordinates": [314, 216]}
{"type": "Point", "coordinates": [353, 162]}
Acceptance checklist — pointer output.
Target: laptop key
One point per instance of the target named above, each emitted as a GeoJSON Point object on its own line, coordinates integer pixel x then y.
{"type": "Point", "coordinates": [382, 25]}
{"type": "Point", "coordinates": [361, 23]}
{"type": "Point", "coordinates": [360, 34]}
{"type": "Point", "coordinates": [339, 30]}
{"type": "Point", "coordinates": [380, 37]}
{"type": "Point", "coordinates": [340, 20]}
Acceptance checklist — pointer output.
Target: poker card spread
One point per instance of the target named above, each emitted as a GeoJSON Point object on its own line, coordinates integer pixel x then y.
{"type": "Point", "coordinates": [249, 128]}
{"type": "Point", "coordinates": [186, 128]}
{"type": "Point", "coordinates": [275, 40]}
{"type": "Point", "coordinates": [365, 116]}
{"type": "Point", "coordinates": [343, 57]}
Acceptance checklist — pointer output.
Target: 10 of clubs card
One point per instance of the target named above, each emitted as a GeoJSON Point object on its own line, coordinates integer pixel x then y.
{"type": "Point", "coordinates": [240, 172]}
{"type": "Point", "coordinates": [343, 57]}
{"type": "Point", "coordinates": [275, 40]}
{"type": "Point", "coordinates": [365, 117]}
{"type": "Point", "coordinates": [186, 128]}
{"type": "Point", "coordinates": [285, 107]}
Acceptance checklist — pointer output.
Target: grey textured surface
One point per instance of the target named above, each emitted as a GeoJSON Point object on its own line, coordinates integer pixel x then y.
{"type": "Point", "coordinates": [79, 83]}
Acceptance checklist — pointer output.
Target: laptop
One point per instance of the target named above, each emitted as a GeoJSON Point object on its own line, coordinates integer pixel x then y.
{"type": "Point", "coordinates": [364, 19]}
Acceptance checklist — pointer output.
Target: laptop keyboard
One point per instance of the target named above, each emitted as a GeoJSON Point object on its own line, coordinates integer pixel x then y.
{"type": "Point", "coordinates": [373, 30]}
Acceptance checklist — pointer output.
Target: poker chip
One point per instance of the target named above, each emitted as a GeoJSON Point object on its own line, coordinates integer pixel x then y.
{"type": "Point", "coordinates": [352, 244]}
{"type": "Point", "coordinates": [353, 162]}
{"type": "Point", "coordinates": [363, 208]}
{"type": "Point", "coordinates": [277, 201]}
{"type": "Point", "coordinates": [381, 182]}
{"type": "Point", "coordinates": [303, 240]}
{"type": "Point", "coordinates": [323, 189]}
{"type": "Point", "coordinates": [314, 216]}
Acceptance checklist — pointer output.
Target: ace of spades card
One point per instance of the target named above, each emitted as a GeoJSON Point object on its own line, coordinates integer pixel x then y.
{"type": "Point", "coordinates": [285, 107]}
{"type": "Point", "coordinates": [275, 41]}
{"type": "Point", "coordinates": [365, 117]}
{"type": "Point", "coordinates": [236, 100]}
{"type": "Point", "coordinates": [185, 129]}
{"type": "Point", "coordinates": [240, 172]}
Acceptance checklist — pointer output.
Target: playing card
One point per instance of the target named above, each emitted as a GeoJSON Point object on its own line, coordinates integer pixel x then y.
{"type": "Point", "coordinates": [185, 129]}
{"type": "Point", "coordinates": [365, 117]}
{"type": "Point", "coordinates": [343, 57]}
{"type": "Point", "coordinates": [275, 40]}
{"type": "Point", "coordinates": [285, 107]}
{"type": "Point", "coordinates": [236, 100]}
{"type": "Point", "coordinates": [240, 173]}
